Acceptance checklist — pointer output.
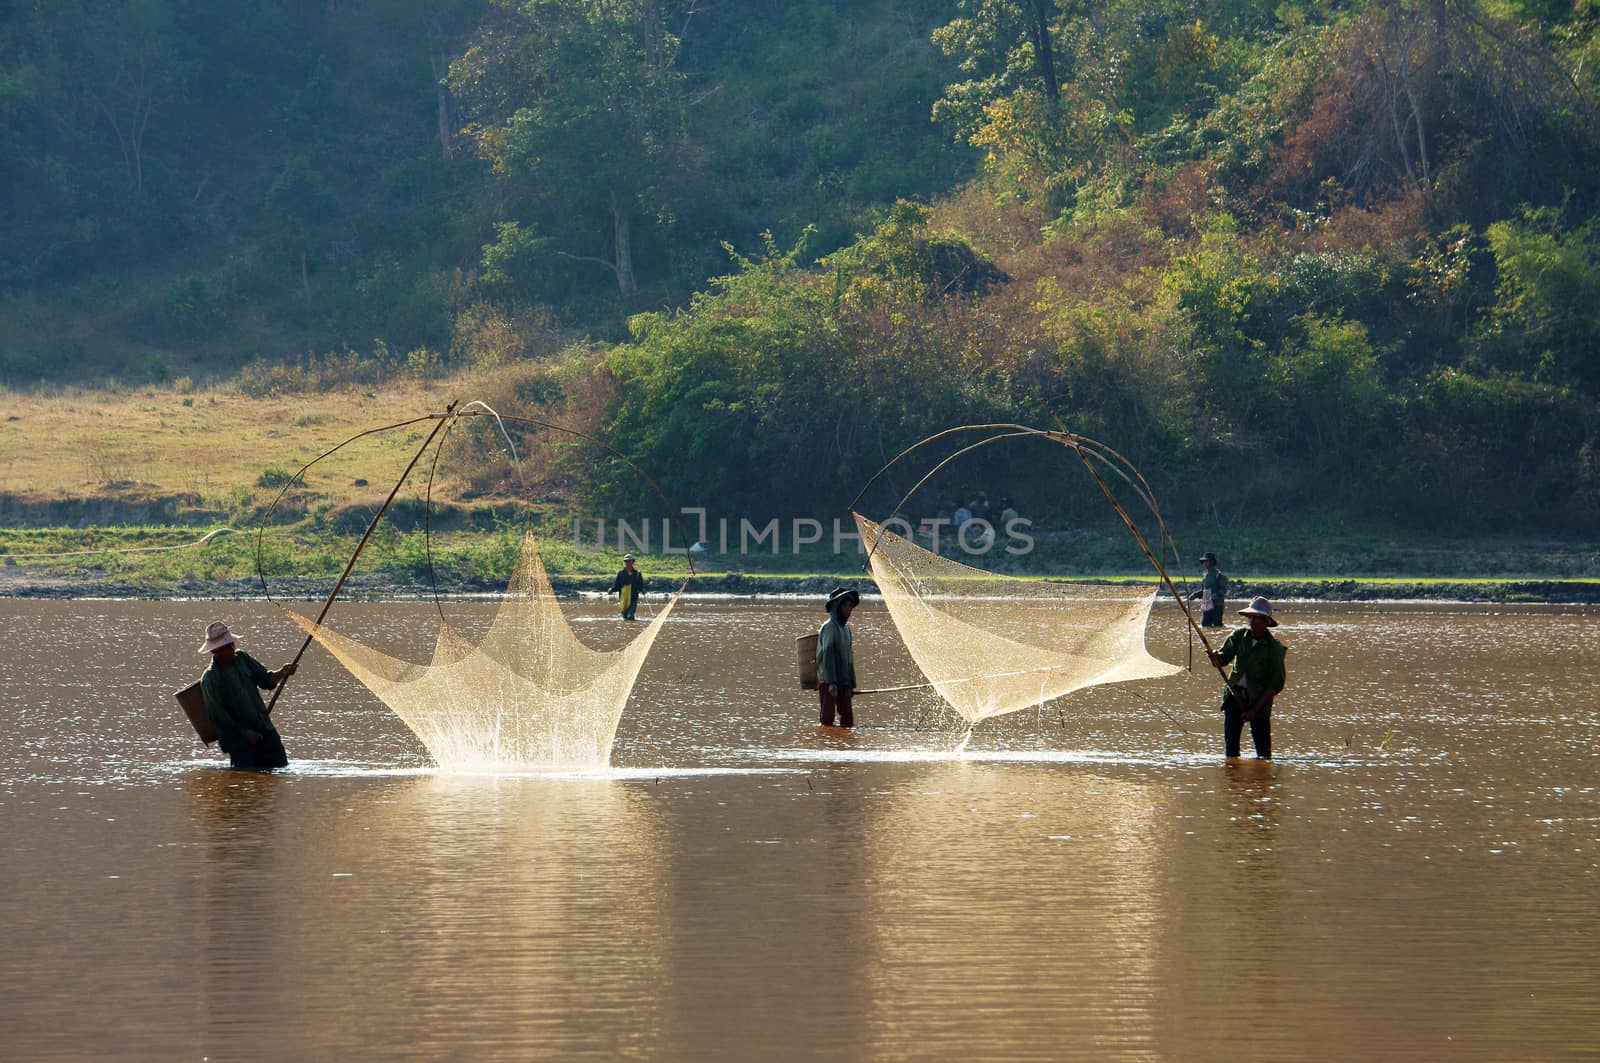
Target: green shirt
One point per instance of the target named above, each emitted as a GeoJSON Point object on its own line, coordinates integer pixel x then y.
{"type": "Point", "coordinates": [1257, 663]}
{"type": "Point", "coordinates": [1215, 582]}
{"type": "Point", "coordinates": [233, 698]}
{"type": "Point", "coordinates": [836, 659]}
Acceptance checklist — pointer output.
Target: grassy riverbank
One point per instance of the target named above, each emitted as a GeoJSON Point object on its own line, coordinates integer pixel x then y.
{"type": "Point", "coordinates": [191, 452]}
{"type": "Point", "coordinates": [104, 493]}
{"type": "Point", "coordinates": [303, 561]}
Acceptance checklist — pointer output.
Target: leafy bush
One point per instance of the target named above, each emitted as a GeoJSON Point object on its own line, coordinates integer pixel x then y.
{"type": "Point", "coordinates": [274, 477]}
{"type": "Point", "coordinates": [190, 307]}
{"type": "Point", "coordinates": [1546, 318]}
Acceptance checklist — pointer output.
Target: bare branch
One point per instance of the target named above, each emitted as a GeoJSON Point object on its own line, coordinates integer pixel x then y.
{"type": "Point", "coordinates": [612, 266]}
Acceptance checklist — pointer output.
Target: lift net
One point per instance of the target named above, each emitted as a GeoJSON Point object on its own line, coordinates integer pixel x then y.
{"type": "Point", "coordinates": [528, 697]}
{"type": "Point", "coordinates": [994, 644]}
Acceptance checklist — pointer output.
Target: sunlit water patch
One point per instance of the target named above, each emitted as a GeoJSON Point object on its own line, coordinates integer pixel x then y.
{"type": "Point", "coordinates": [1409, 878]}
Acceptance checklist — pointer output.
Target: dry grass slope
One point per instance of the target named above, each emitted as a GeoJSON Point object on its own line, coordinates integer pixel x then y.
{"type": "Point", "coordinates": [213, 444]}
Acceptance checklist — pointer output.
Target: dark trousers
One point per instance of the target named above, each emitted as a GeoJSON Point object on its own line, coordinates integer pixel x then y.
{"type": "Point", "coordinates": [840, 703]}
{"type": "Point", "coordinates": [267, 753]}
{"type": "Point", "coordinates": [1211, 617]}
{"type": "Point", "coordinates": [1233, 728]}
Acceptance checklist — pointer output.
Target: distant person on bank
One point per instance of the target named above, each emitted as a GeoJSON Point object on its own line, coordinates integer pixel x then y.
{"type": "Point", "coordinates": [1213, 592]}
{"type": "Point", "coordinates": [836, 659]}
{"type": "Point", "coordinates": [1257, 677]}
{"type": "Point", "coordinates": [628, 587]}
{"type": "Point", "coordinates": [232, 689]}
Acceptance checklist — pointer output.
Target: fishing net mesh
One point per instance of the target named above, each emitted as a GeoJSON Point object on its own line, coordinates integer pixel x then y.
{"type": "Point", "coordinates": [994, 644]}
{"type": "Point", "coordinates": [529, 696]}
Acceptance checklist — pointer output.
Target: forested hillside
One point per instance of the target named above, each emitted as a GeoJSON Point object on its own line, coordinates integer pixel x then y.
{"type": "Point", "coordinates": [1298, 259]}
{"type": "Point", "coordinates": [185, 185]}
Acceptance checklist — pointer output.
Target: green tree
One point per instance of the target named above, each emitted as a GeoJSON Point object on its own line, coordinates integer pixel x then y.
{"type": "Point", "coordinates": [27, 197]}
{"type": "Point", "coordinates": [514, 263]}
{"type": "Point", "coordinates": [1330, 398]}
{"type": "Point", "coordinates": [1225, 292]}
{"type": "Point", "coordinates": [91, 128]}
{"type": "Point", "coordinates": [580, 106]}
{"type": "Point", "coordinates": [1501, 451]}
{"type": "Point", "coordinates": [773, 356]}
{"type": "Point", "coordinates": [1023, 103]}
{"type": "Point", "coordinates": [1003, 46]}
{"type": "Point", "coordinates": [1429, 96]}
{"type": "Point", "coordinates": [125, 66]}
{"type": "Point", "coordinates": [1546, 318]}
{"type": "Point", "coordinates": [748, 363]}
{"type": "Point", "coordinates": [301, 202]}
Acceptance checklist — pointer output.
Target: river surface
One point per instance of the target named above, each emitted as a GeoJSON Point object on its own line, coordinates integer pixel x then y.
{"type": "Point", "coordinates": [1414, 877]}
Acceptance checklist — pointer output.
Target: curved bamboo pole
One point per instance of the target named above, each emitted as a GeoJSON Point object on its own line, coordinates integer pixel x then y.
{"type": "Point", "coordinates": [300, 473]}
{"type": "Point", "coordinates": [1019, 428]}
{"type": "Point", "coordinates": [918, 485]}
{"type": "Point", "coordinates": [446, 423]}
{"type": "Point", "coordinates": [376, 517]}
{"type": "Point", "coordinates": [427, 518]}
{"type": "Point", "coordinates": [1088, 451]}
{"type": "Point", "coordinates": [615, 453]}
{"type": "Point", "coordinates": [488, 411]}
{"type": "Point", "coordinates": [1067, 439]}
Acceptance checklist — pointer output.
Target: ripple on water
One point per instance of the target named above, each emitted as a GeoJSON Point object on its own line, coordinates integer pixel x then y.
{"type": "Point", "coordinates": [1411, 878]}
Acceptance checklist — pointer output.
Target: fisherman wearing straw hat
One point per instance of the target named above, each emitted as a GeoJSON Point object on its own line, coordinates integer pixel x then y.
{"type": "Point", "coordinates": [628, 587]}
{"type": "Point", "coordinates": [232, 689]}
{"type": "Point", "coordinates": [1256, 679]}
{"type": "Point", "coordinates": [836, 660]}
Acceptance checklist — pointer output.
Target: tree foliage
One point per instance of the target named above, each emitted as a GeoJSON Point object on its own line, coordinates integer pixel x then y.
{"type": "Point", "coordinates": [1330, 257]}
{"type": "Point", "coordinates": [140, 139]}
{"type": "Point", "coordinates": [581, 106]}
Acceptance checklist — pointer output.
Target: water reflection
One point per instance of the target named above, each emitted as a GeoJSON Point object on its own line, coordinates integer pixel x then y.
{"type": "Point", "coordinates": [767, 958]}
{"type": "Point", "coordinates": [534, 906]}
{"type": "Point", "coordinates": [1091, 883]}
{"type": "Point", "coordinates": [1251, 789]}
{"type": "Point", "coordinates": [992, 887]}
{"type": "Point", "coordinates": [244, 926]}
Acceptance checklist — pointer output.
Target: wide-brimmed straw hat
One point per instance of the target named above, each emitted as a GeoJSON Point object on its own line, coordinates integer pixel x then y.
{"type": "Point", "coordinates": [217, 636]}
{"type": "Point", "coordinates": [839, 594]}
{"type": "Point", "coordinates": [629, 557]}
{"type": "Point", "coordinates": [1260, 607]}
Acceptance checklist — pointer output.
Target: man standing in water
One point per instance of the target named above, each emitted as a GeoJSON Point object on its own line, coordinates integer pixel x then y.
{"type": "Point", "coordinates": [836, 660]}
{"type": "Point", "coordinates": [1213, 591]}
{"type": "Point", "coordinates": [628, 586]}
{"type": "Point", "coordinates": [1256, 679]}
{"type": "Point", "coordinates": [232, 689]}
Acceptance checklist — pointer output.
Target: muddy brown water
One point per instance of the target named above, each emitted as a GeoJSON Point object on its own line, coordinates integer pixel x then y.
{"type": "Point", "coordinates": [1413, 878]}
